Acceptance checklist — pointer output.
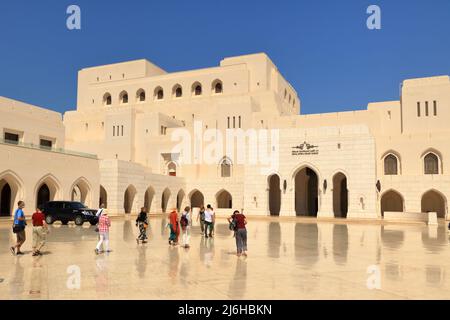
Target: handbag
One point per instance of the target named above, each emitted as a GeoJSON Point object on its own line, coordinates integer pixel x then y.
{"type": "Point", "coordinates": [233, 225]}
{"type": "Point", "coordinates": [16, 228]}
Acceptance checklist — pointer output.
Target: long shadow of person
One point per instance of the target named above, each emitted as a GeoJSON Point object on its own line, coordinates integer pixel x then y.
{"type": "Point", "coordinates": [101, 275]}
{"type": "Point", "coordinates": [207, 251]}
{"type": "Point", "coordinates": [174, 262]}
{"type": "Point", "coordinates": [16, 285]}
{"type": "Point", "coordinates": [238, 284]}
{"type": "Point", "coordinates": [36, 279]}
{"type": "Point", "coordinates": [141, 261]}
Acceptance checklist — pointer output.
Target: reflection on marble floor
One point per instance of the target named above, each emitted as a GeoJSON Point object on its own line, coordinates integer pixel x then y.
{"type": "Point", "coordinates": [287, 260]}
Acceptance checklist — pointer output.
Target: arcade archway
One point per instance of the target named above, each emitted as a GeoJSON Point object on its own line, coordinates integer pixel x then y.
{"type": "Point", "coordinates": [6, 203]}
{"type": "Point", "coordinates": [129, 198]}
{"type": "Point", "coordinates": [81, 192]}
{"type": "Point", "coordinates": [47, 190]}
{"type": "Point", "coordinates": [148, 198]}
{"type": "Point", "coordinates": [43, 195]}
{"type": "Point", "coordinates": [306, 192]}
{"type": "Point", "coordinates": [274, 195]}
{"type": "Point", "coordinates": [224, 200]}
{"type": "Point", "coordinates": [180, 199]}
{"type": "Point", "coordinates": [10, 193]}
{"type": "Point", "coordinates": [103, 197]}
{"type": "Point", "coordinates": [165, 199]}
{"type": "Point", "coordinates": [197, 199]}
{"type": "Point", "coordinates": [340, 195]}
{"type": "Point", "coordinates": [434, 201]}
{"type": "Point", "coordinates": [391, 201]}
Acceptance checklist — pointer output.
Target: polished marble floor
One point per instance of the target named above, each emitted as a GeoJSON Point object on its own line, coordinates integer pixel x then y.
{"type": "Point", "coordinates": [288, 259]}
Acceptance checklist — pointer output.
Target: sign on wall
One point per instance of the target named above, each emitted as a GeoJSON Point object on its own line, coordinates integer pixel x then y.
{"type": "Point", "coordinates": [305, 149]}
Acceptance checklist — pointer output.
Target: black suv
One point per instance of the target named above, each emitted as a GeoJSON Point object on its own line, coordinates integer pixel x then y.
{"type": "Point", "coordinates": [66, 211]}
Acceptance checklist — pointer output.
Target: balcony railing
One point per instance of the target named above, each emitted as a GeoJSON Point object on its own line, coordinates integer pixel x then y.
{"type": "Point", "coordinates": [47, 149]}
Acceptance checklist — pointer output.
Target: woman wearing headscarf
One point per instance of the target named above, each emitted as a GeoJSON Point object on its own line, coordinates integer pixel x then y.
{"type": "Point", "coordinates": [174, 227]}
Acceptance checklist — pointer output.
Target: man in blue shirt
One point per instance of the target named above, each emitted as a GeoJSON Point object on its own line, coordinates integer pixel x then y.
{"type": "Point", "coordinates": [19, 225]}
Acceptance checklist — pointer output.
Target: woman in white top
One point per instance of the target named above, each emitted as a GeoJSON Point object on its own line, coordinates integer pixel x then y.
{"type": "Point", "coordinates": [209, 220]}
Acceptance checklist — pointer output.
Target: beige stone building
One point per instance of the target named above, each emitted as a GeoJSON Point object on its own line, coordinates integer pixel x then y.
{"type": "Point", "coordinates": [232, 136]}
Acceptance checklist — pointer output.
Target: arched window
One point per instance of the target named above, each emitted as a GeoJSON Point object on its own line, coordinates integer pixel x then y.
{"type": "Point", "coordinates": [177, 91]}
{"type": "Point", "coordinates": [197, 89]}
{"type": "Point", "coordinates": [107, 99]}
{"type": "Point", "coordinates": [390, 165]}
{"type": "Point", "coordinates": [123, 97]}
{"type": "Point", "coordinates": [217, 86]}
{"type": "Point", "coordinates": [140, 95]}
{"type": "Point", "coordinates": [225, 168]}
{"type": "Point", "coordinates": [172, 169]}
{"type": "Point", "coordinates": [159, 93]}
{"type": "Point", "coordinates": [431, 164]}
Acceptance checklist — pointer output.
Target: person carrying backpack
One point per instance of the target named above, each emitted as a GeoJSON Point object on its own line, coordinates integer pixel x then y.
{"type": "Point", "coordinates": [185, 222]}
{"type": "Point", "coordinates": [238, 221]}
{"type": "Point", "coordinates": [142, 223]}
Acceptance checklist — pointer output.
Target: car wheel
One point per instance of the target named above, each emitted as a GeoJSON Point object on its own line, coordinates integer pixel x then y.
{"type": "Point", "coordinates": [49, 219]}
{"type": "Point", "coordinates": [93, 223]}
{"type": "Point", "coordinates": [79, 220]}
{"type": "Point", "coordinates": [64, 222]}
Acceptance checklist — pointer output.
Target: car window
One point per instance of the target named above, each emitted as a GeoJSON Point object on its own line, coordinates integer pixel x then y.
{"type": "Point", "coordinates": [77, 205]}
{"type": "Point", "coordinates": [54, 205]}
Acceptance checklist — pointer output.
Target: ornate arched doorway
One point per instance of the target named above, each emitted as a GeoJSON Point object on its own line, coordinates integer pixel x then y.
{"type": "Point", "coordinates": [197, 199]}
{"type": "Point", "coordinates": [224, 200]}
{"type": "Point", "coordinates": [306, 192]}
{"type": "Point", "coordinates": [274, 195]}
{"type": "Point", "coordinates": [340, 195]}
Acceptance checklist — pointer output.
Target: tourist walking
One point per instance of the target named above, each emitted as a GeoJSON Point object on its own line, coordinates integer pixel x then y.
{"type": "Point", "coordinates": [39, 231]}
{"type": "Point", "coordinates": [185, 222]}
{"type": "Point", "coordinates": [213, 225]}
{"type": "Point", "coordinates": [239, 222]}
{"type": "Point", "coordinates": [104, 224]}
{"type": "Point", "coordinates": [201, 217]}
{"type": "Point", "coordinates": [142, 223]}
{"type": "Point", "coordinates": [19, 228]}
{"type": "Point", "coordinates": [209, 220]}
{"type": "Point", "coordinates": [98, 214]}
{"type": "Point", "coordinates": [174, 228]}
{"type": "Point", "coordinates": [100, 210]}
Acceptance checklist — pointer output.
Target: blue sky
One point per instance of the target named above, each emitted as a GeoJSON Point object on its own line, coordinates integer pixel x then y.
{"type": "Point", "coordinates": [322, 47]}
